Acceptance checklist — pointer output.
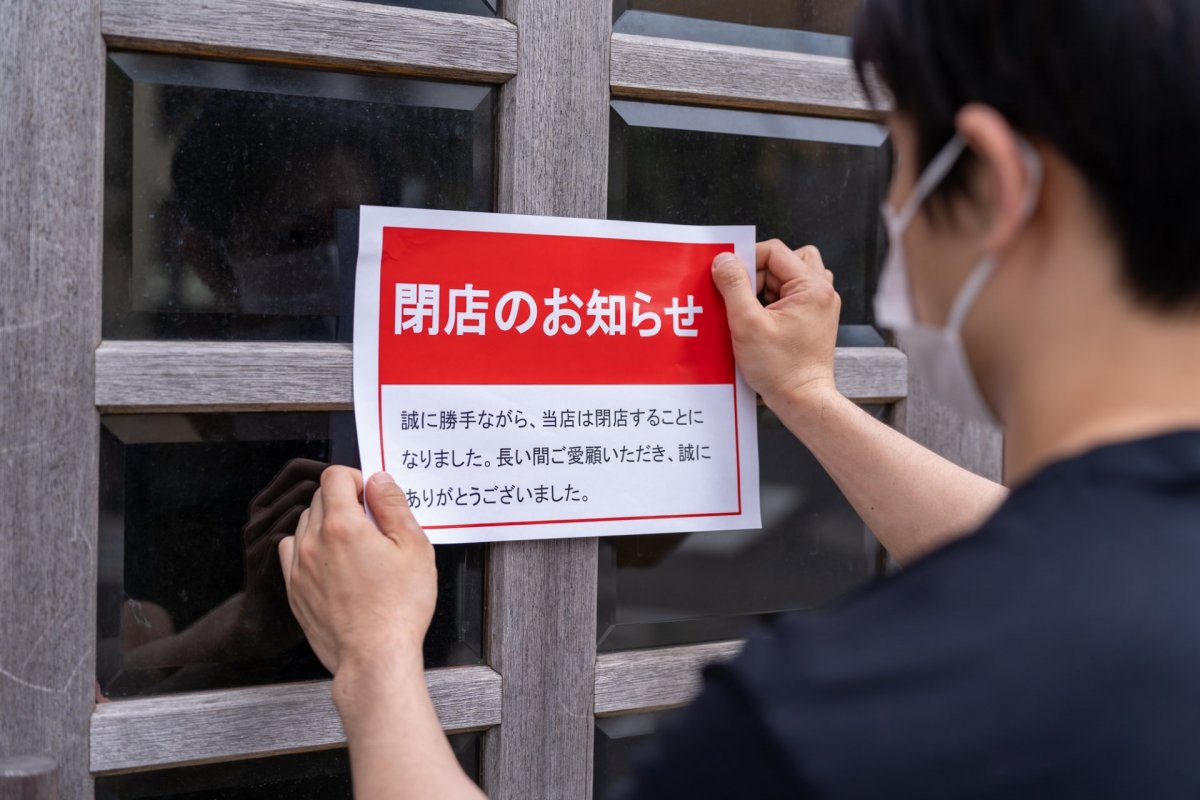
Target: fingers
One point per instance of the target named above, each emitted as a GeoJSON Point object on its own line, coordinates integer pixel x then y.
{"type": "Point", "coordinates": [780, 262]}
{"type": "Point", "coordinates": [302, 523]}
{"type": "Point", "coordinates": [341, 488]}
{"type": "Point", "coordinates": [287, 557]}
{"type": "Point", "coordinates": [390, 506]}
{"type": "Point", "coordinates": [741, 300]}
{"type": "Point", "coordinates": [778, 265]}
{"type": "Point", "coordinates": [315, 515]}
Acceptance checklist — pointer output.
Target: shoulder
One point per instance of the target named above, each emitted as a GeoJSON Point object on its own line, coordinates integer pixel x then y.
{"type": "Point", "coordinates": [1032, 632]}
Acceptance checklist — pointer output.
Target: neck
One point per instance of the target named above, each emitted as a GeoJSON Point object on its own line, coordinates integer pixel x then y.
{"type": "Point", "coordinates": [1120, 377]}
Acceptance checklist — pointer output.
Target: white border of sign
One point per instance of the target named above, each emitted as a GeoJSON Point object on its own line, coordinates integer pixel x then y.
{"type": "Point", "coordinates": [373, 220]}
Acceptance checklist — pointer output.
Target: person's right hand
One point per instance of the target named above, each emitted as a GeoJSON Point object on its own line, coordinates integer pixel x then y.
{"type": "Point", "coordinates": [784, 350]}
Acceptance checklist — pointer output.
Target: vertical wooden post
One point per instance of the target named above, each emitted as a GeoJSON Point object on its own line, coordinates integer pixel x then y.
{"type": "Point", "coordinates": [51, 115]}
{"type": "Point", "coordinates": [28, 778]}
{"type": "Point", "coordinates": [553, 159]}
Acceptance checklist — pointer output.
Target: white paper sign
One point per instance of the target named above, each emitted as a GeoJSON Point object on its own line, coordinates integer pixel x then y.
{"type": "Point", "coordinates": [535, 378]}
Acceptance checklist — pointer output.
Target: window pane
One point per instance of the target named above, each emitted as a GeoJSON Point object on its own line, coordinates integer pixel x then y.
{"type": "Point", "coordinates": [191, 595]}
{"type": "Point", "coordinates": [820, 27]}
{"type": "Point", "coordinates": [479, 8]}
{"type": "Point", "coordinates": [618, 742]}
{"type": "Point", "coordinates": [689, 588]}
{"type": "Point", "coordinates": [800, 179]}
{"type": "Point", "coordinates": [223, 181]}
{"type": "Point", "coordinates": [323, 775]}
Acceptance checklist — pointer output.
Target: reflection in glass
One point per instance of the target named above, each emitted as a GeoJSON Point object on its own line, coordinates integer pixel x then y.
{"type": "Point", "coordinates": [322, 775]}
{"type": "Point", "coordinates": [800, 179]}
{"type": "Point", "coordinates": [818, 27]}
{"type": "Point", "coordinates": [192, 508]}
{"type": "Point", "coordinates": [222, 182]}
{"type": "Point", "coordinates": [688, 588]}
{"type": "Point", "coordinates": [618, 742]}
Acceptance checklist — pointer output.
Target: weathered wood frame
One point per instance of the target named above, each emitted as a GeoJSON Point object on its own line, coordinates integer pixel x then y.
{"type": "Point", "coordinates": [230, 724]}
{"type": "Point", "coordinates": [142, 377]}
{"type": "Point", "coordinates": [558, 65]}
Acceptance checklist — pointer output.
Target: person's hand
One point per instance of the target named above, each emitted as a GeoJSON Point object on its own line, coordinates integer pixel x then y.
{"type": "Point", "coordinates": [785, 350]}
{"type": "Point", "coordinates": [362, 593]}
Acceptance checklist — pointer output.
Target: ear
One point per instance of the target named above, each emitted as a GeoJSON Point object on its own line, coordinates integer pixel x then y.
{"type": "Point", "coordinates": [996, 145]}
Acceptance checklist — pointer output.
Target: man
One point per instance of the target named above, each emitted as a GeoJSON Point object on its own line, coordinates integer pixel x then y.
{"type": "Point", "coordinates": [1045, 224]}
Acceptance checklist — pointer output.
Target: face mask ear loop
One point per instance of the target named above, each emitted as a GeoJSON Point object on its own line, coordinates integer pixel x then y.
{"type": "Point", "coordinates": [975, 283]}
{"type": "Point", "coordinates": [933, 175]}
{"type": "Point", "coordinates": [1036, 173]}
{"type": "Point", "coordinates": [968, 293]}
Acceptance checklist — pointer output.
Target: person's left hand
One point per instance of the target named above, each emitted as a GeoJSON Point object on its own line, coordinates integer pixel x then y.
{"type": "Point", "coordinates": [362, 593]}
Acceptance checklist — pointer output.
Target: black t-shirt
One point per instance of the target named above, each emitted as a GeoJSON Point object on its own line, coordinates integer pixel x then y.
{"type": "Point", "coordinates": [1053, 654]}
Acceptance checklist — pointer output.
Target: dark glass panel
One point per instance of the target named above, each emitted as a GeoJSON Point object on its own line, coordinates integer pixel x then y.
{"type": "Point", "coordinates": [323, 775]}
{"type": "Point", "coordinates": [223, 180]}
{"type": "Point", "coordinates": [800, 179]}
{"type": "Point", "coordinates": [820, 27]}
{"type": "Point", "coordinates": [689, 588]}
{"type": "Point", "coordinates": [618, 742]}
{"type": "Point", "coordinates": [191, 595]}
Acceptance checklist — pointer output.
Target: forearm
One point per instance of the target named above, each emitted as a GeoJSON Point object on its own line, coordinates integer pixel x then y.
{"type": "Point", "coordinates": [205, 641]}
{"type": "Point", "coordinates": [912, 499]}
{"type": "Point", "coordinates": [397, 747]}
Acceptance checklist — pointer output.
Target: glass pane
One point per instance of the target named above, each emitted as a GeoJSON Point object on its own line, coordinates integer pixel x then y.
{"type": "Point", "coordinates": [323, 775]}
{"type": "Point", "coordinates": [223, 182]}
{"type": "Point", "coordinates": [687, 588]}
{"type": "Point", "coordinates": [618, 741]}
{"type": "Point", "coordinates": [191, 595]}
{"type": "Point", "coordinates": [800, 179]}
{"type": "Point", "coordinates": [820, 27]}
{"type": "Point", "coordinates": [479, 8]}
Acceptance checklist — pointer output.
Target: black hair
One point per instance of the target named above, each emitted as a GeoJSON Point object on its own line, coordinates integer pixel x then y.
{"type": "Point", "coordinates": [1112, 85]}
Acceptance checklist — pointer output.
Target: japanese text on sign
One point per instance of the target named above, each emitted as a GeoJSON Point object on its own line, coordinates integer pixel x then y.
{"type": "Point", "coordinates": [466, 310]}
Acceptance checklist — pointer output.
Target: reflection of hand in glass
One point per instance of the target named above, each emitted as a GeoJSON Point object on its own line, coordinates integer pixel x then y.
{"type": "Point", "coordinates": [264, 626]}
{"type": "Point", "coordinates": [255, 623]}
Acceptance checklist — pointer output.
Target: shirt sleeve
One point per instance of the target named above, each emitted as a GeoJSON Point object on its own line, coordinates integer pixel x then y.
{"type": "Point", "coordinates": [714, 748]}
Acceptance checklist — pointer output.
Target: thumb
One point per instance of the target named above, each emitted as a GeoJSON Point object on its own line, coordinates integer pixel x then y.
{"type": "Point", "coordinates": [287, 554]}
{"type": "Point", "coordinates": [389, 504]}
{"type": "Point", "coordinates": [732, 280]}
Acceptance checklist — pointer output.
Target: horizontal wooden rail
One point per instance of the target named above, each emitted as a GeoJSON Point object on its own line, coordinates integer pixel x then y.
{"type": "Point", "coordinates": [326, 33]}
{"type": "Point", "coordinates": [203, 727]}
{"type": "Point", "coordinates": [638, 681]}
{"type": "Point", "coordinates": [650, 68]}
{"type": "Point", "coordinates": [137, 377]}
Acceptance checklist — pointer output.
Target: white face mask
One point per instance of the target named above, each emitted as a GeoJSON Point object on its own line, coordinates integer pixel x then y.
{"type": "Point", "coordinates": [937, 355]}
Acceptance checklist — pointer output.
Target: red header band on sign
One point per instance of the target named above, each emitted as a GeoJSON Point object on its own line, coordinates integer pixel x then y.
{"type": "Point", "coordinates": [474, 308]}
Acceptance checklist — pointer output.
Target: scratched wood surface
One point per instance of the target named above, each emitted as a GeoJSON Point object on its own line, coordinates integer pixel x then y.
{"type": "Point", "coordinates": [552, 159]}
{"type": "Point", "coordinates": [51, 95]}
{"type": "Point", "coordinates": [305, 376]}
{"type": "Point", "coordinates": [203, 727]}
{"type": "Point", "coordinates": [671, 70]}
{"type": "Point", "coordinates": [326, 33]}
{"type": "Point", "coordinates": [652, 680]}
